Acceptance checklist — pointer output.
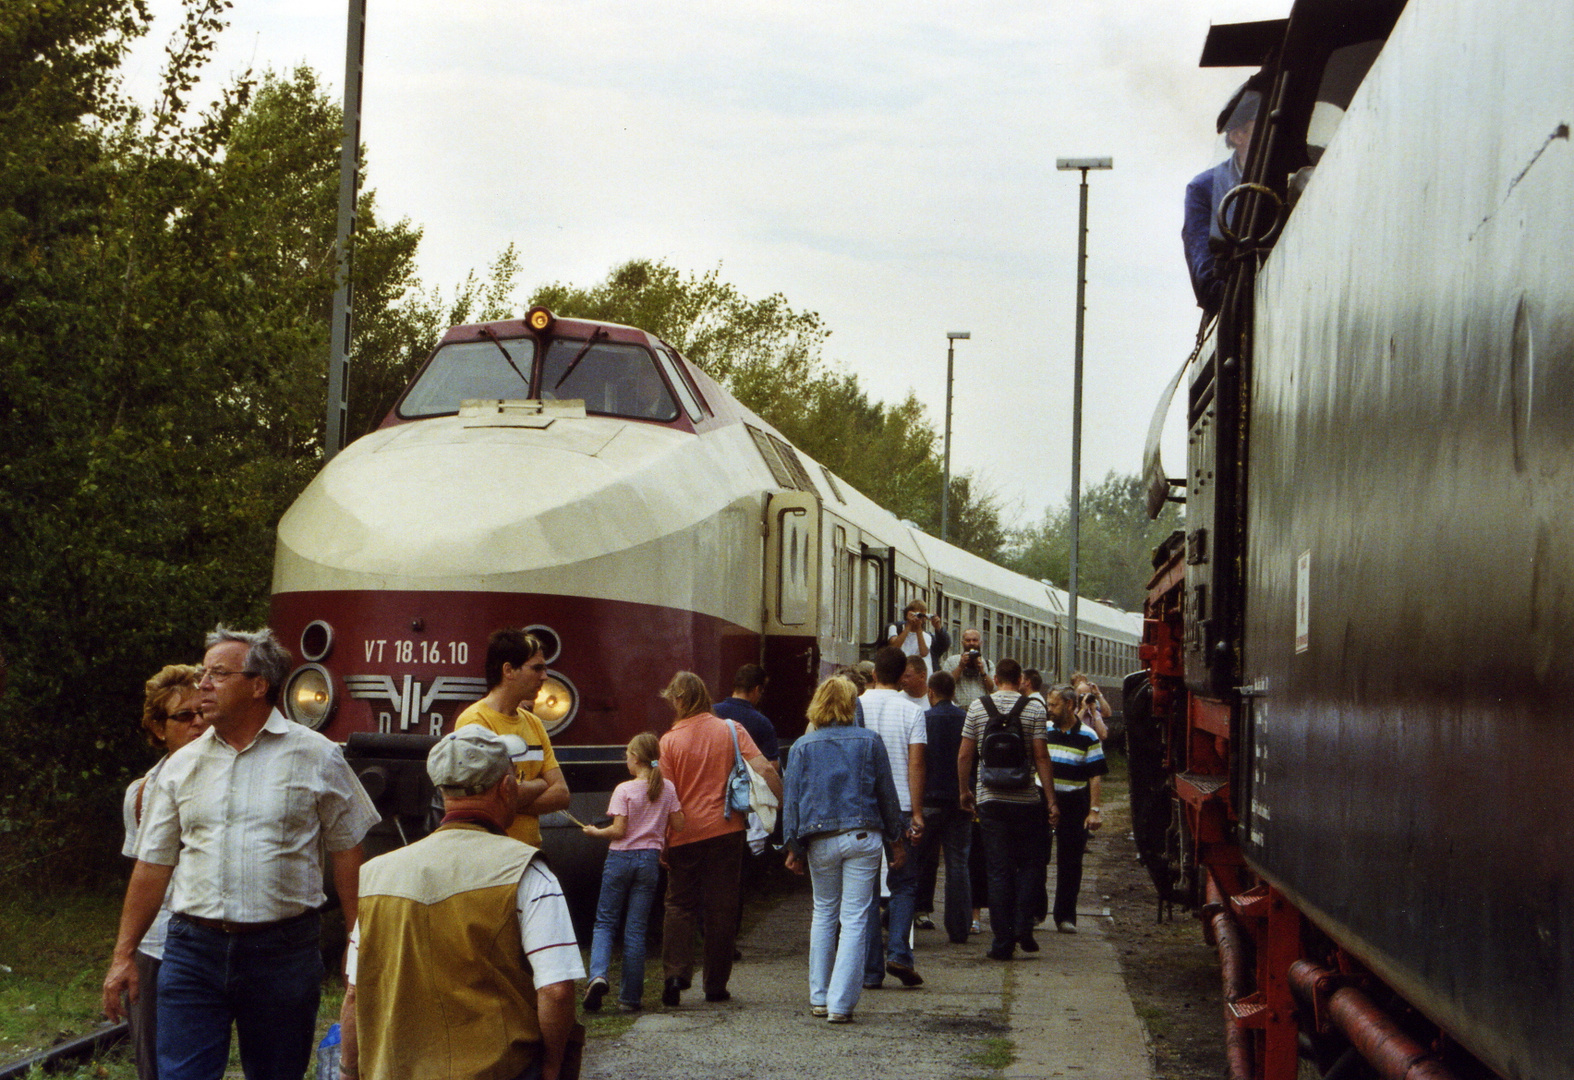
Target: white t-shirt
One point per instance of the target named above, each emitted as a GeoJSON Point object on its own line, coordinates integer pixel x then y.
{"type": "Point", "coordinates": [891, 715]}
{"type": "Point", "coordinates": [910, 646]}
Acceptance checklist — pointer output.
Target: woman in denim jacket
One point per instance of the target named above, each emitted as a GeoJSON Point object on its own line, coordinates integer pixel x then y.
{"type": "Point", "coordinates": [838, 807]}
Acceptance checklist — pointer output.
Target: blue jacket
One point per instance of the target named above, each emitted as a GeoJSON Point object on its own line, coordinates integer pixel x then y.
{"type": "Point", "coordinates": [838, 777]}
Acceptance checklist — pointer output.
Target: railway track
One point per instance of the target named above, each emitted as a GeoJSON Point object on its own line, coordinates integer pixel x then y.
{"type": "Point", "coordinates": [73, 1051]}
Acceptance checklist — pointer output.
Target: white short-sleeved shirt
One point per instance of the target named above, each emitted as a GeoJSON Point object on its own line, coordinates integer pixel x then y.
{"type": "Point", "coordinates": [153, 941]}
{"type": "Point", "coordinates": [242, 828]}
{"type": "Point", "coordinates": [544, 927]}
{"type": "Point", "coordinates": [900, 724]}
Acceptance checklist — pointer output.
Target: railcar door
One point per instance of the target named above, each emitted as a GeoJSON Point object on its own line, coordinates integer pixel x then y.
{"type": "Point", "coordinates": [790, 623]}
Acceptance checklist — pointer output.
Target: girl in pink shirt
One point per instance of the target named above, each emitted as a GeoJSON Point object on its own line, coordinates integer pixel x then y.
{"type": "Point", "coordinates": [643, 810]}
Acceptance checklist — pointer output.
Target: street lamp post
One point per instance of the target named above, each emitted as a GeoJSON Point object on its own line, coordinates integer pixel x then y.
{"type": "Point", "coordinates": [952, 337]}
{"type": "Point", "coordinates": [1083, 165]}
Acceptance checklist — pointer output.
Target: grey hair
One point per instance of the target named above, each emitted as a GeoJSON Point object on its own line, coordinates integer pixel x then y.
{"type": "Point", "coordinates": [1064, 693]}
{"type": "Point", "coordinates": [264, 655]}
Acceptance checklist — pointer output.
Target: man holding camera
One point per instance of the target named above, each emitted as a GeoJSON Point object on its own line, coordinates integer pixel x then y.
{"type": "Point", "coordinates": [920, 634]}
{"type": "Point", "coordinates": [973, 674]}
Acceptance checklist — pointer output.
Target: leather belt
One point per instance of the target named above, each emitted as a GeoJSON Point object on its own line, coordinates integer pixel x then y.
{"type": "Point", "coordinates": [224, 926]}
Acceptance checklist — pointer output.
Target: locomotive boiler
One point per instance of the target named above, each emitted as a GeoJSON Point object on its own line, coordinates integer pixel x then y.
{"type": "Point", "coordinates": [1355, 743]}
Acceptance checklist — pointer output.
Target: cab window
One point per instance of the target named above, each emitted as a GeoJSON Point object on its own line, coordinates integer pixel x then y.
{"type": "Point", "coordinates": [611, 378]}
{"type": "Point", "coordinates": [470, 369]}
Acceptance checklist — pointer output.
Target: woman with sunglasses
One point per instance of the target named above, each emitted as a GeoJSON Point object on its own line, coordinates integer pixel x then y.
{"type": "Point", "coordinates": [170, 720]}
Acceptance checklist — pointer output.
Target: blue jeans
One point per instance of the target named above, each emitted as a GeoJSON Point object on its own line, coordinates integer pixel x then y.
{"type": "Point", "coordinates": [952, 829]}
{"type": "Point", "coordinates": [843, 869]}
{"type": "Point", "coordinates": [628, 877]}
{"type": "Point", "coordinates": [903, 886]}
{"type": "Point", "coordinates": [267, 983]}
{"type": "Point", "coordinates": [1014, 855]}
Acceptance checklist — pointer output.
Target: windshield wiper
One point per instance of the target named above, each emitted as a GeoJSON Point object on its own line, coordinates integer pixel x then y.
{"type": "Point", "coordinates": [596, 335]}
{"type": "Point", "coordinates": [487, 333]}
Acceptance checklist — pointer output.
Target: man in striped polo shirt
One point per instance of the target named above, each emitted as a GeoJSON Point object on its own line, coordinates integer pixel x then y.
{"type": "Point", "coordinates": [1076, 758]}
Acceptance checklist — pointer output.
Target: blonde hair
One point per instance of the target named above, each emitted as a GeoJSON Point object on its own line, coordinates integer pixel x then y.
{"type": "Point", "coordinates": [687, 694]}
{"type": "Point", "coordinates": [647, 751]}
{"type": "Point", "coordinates": [160, 692]}
{"type": "Point", "coordinates": [833, 703]}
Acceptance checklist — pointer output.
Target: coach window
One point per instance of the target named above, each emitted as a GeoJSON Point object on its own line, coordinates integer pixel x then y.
{"type": "Point", "coordinates": [613, 379]}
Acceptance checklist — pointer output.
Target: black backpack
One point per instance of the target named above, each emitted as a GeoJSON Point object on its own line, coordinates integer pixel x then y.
{"type": "Point", "coordinates": [1006, 764]}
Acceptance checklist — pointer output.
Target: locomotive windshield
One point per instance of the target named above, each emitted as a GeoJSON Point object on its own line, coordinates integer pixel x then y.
{"type": "Point", "coordinates": [618, 380]}
{"type": "Point", "coordinates": [611, 378]}
{"type": "Point", "coordinates": [470, 369]}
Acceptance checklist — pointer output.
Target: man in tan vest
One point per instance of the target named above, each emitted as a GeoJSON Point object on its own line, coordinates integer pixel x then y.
{"type": "Point", "coordinates": [464, 959]}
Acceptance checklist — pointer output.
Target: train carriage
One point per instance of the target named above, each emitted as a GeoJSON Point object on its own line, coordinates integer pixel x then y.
{"type": "Point", "coordinates": [583, 480]}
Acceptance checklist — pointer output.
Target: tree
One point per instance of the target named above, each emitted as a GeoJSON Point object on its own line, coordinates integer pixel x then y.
{"type": "Point", "coordinates": [1115, 554]}
{"type": "Point", "coordinates": [164, 293]}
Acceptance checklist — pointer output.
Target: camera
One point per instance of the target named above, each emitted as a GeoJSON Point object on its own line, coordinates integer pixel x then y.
{"type": "Point", "coordinates": [971, 654]}
{"type": "Point", "coordinates": [1090, 699]}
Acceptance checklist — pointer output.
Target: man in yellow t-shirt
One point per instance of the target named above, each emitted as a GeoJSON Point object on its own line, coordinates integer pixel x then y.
{"type": "Point", "coordinates": [516, 666]}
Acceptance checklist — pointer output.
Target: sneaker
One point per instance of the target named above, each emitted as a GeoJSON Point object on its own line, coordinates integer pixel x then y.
{"type": "Point", "coordinates": [718, 995]}
{"type": "Point", "coordinates": [817, 1010]}
{"type": "Point", "coordinates": [908, 976]}
{"type": "Point", "coordinates": [1066, 927]}
{"type": "Point", "coordinates": [629, 1006]}
{"type": "Point", "coordinates": [838, 1018]}
{"type": "Point", "coordinates": [594, 993]}
{"type": "Point", "coordinates": [923, 922]}
{"type": "Point", "coordinates": [977, 927]}
{"type": "Point", "coordinates": [670, 991]}
{"type": "Point", "coordinates": [999, 954]}
{"type": "Point", "coordinates": [1029, 943]}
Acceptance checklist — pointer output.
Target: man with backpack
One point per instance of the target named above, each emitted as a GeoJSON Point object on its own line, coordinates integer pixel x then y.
{"type": "Point", "coordinates": [1006, 731]}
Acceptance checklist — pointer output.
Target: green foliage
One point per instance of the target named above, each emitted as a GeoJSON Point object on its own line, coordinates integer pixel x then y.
{"type": "Point", "coordinates": [165, 285]}
{"type": "Point", "coordinates": [768, 356]}
{"type": "Point", "coordinates": [1115, 553]}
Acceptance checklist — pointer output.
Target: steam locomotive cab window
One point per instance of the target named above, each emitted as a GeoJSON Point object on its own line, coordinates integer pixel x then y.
{"type": "Point", "coordinates": [470, 369]}
{"type": "Point", "coordinates": [1346, 68]}
{"type": "Point", "coordinates": [612, 379]}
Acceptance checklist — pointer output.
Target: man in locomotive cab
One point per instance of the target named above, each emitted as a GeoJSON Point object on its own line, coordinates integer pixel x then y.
{"type": "Point", "coordinates": [516, 667]}
{"type": "Point", "coordinates": [1204, 195]}
{"type": "Point", "coordinates": [973, 674]}
{"type": "Point", "coordinates": [493, 991]}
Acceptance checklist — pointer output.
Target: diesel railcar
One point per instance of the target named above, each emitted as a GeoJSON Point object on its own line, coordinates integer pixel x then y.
{"type": "Point", "coordinates": [1359, 682]}
{"type": "Point", "coordinates": [584, 480]}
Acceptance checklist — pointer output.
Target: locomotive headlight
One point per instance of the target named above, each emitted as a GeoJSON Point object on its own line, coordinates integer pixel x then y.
{"type": "Point", "coordinates": [539, 319]}
{"type": "Point", "coordinates": [556, 703]}
{"type": "Point", "coordinates": [308, 696]}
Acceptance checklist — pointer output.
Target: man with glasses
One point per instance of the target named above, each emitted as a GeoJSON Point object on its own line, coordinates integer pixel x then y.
{"type": "Point", "coordinates": [516, 666]}
{"type": "Point", "coordinates": [234, 825]}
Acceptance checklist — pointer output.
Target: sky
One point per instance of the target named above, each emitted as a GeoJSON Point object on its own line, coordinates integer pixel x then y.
{"type": "Point", "coordinates": [889, 166]}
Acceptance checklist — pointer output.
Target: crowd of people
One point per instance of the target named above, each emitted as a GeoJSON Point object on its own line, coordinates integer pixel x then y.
{"type": "Point", "coordinates": [462, 958]}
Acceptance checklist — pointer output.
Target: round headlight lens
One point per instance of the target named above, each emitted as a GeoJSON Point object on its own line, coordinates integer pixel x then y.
{"type": "Point", "coordinates": [308, 696]}
{"type": "Point", "coordinates": [556, 703]}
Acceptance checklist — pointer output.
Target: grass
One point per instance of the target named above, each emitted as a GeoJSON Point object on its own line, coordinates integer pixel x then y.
{"type": "Point", "coordinates": [994, 1054]}
{"type": "Point", "coordinates": [1158, 1021]}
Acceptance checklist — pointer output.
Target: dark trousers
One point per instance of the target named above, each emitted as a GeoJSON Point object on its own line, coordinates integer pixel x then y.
{"type": "Point", "coordinates": [949, 829]}
{"type": "Point", "coordinates": [702, 887]}
{"type": "Point", "coordinates": [1014, 871]}
{"type": "Point", "coordinates": [1072, 834]}
{"type": "Point", "coordinates": [267, 983]}
{"type": "Point", "coordinates": [143, 1018]}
